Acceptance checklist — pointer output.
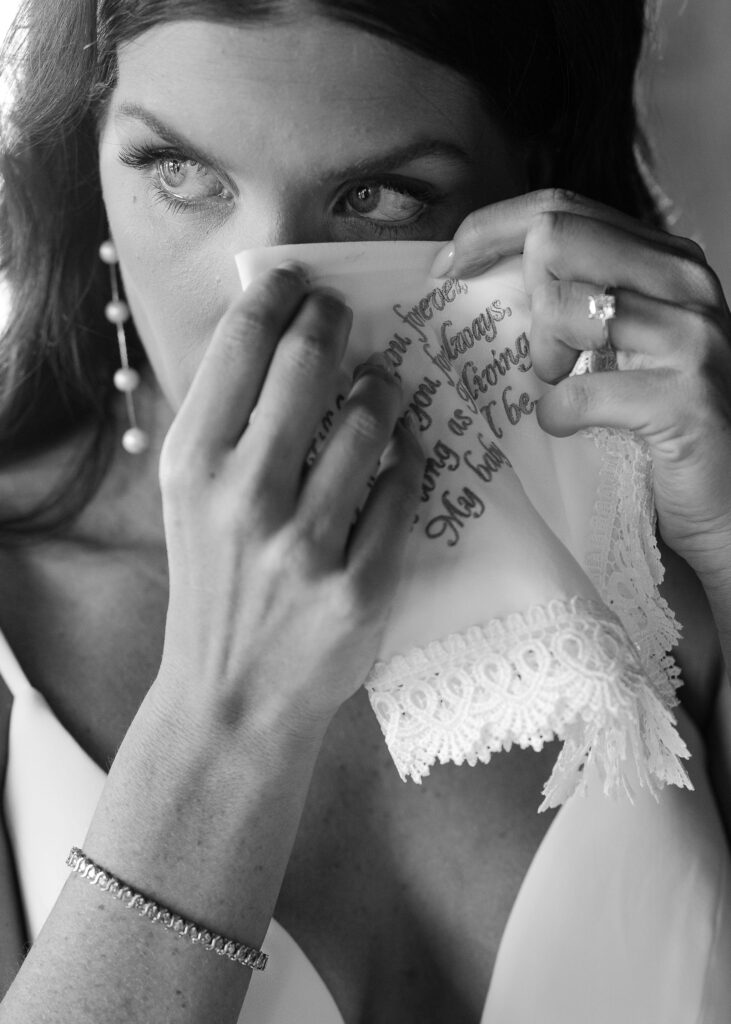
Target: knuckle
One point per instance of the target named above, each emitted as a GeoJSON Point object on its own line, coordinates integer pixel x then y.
{"type": "Point", "coordinates": [577, 396]}
{"type": "Point", "coordinates": [290, 553]}
{"type": "Point", "coordinates": [691, 248]}
{"type": "Point", "coordinates": [710, 338]}
{"type": "Point", "coordinates": [353, 599]}
{"type": "Point", "coordinates": [543, 235]}
{"type": "Point", "coordinates": [310, 349]}
{"type": "Point", "coordinates": [548, 301]}
{"type": "Point", "coordinates": [239, 325]}
{"type": "Point", "coordinates": [246, 321]}
{"type": "Point", "coordinates": [556, 199]}
{"type": "Point", "coordinates": [364, 422]}
{"type": "Point", "coordinates": [305, 537]}
{"type": "Point", "coordinates": [471, 233]}
{"type": "Point", "coordinates": [702, 282]}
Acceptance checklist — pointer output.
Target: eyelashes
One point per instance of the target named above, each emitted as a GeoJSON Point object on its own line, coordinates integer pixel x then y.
{"type": "Point", "coordinates": [386, 206]}
{"type": "Point", "coordinates": [163, 164]}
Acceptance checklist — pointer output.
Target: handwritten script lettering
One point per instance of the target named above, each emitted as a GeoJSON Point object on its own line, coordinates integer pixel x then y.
{"type": "Point", "coordinates": [487, 462]}
{"type": "Point", "coordinates": [459, 422]}
{"type": "Point", "coordinates": [442, 457]}
{"type": "Point", "coordinates": [421, 401]}
{"type": "Point", "coordinates": [457, 513]}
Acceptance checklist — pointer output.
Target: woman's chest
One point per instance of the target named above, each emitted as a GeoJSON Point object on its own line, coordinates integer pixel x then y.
{"type": "Point", "coordinates": [400, 893]}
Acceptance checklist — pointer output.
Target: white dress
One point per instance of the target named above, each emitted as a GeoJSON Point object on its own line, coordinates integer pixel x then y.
{"type": "Point", "coordinates": [624, 916]}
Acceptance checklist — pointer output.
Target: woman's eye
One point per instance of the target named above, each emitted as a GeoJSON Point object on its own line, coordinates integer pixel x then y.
{"type": "Point", "coordinates": [188, 180]}
{"type": "Point", "coordinates": [383, 203]}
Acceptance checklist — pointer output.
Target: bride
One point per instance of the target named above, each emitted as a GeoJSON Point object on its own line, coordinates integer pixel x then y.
{"type": "Point", "coordinates": [192, 613]}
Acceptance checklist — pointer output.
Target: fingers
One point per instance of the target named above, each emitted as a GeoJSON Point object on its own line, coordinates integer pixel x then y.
{"type": "Point", "coordinates": [225, 389]}
{"type": "Point", "coordinates": [645, 331]}
{"type": "Point", "coordinates": [500, 230]}
{"type": "Point", "coordinates": [298, 389]}
{"type": "Point", "coordinates": [677, 409]}
{"type": "Point", "coordinates": [337, 484]}
{"type": "Point", "coordinates": [636, 401]}
{"type": "Point", "coordinates": [563, 246]}
{"type": "Point", "coordinates": [378, 539]}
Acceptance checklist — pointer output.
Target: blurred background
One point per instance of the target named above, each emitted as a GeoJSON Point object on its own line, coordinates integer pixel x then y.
{"type": "Point", "coordinates": [687, 89]}
{"type": "Point", "coordinates": [686, 92]}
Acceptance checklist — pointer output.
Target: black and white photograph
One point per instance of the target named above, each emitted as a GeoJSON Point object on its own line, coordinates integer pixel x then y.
{"type": "Point", "coordinates": [365, 512]}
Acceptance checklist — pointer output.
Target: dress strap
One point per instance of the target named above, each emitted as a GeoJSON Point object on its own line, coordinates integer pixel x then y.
{"type": "Point", "coordinates": [10, 671]}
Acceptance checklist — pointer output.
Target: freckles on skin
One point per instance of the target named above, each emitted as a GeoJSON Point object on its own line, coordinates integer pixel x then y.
{"type": "Point", "coordinates": [287, 111]}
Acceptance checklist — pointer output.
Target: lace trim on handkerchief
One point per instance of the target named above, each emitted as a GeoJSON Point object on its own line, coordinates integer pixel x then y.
{"type": "Point", "coordinates": [566, 671]}
{"type": "Point", "coordinates": [623, 560]}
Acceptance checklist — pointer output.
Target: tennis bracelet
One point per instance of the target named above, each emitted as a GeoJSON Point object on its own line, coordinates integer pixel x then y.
{"type": "Point", "coordinates": [240, 953]}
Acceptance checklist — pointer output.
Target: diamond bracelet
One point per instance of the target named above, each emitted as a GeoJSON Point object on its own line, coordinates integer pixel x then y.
{"type": "Point", "coordinates": [240, 953]}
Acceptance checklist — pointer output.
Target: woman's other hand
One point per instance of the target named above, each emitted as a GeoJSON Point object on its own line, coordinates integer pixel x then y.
{"type": "Point", "coordinates": [277, 597]}
{"type": "Point", "coordinates": [671, 335]}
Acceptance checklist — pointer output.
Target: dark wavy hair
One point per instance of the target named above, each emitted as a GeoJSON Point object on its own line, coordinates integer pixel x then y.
{"type": "Point", "coordinates": [533, 61]}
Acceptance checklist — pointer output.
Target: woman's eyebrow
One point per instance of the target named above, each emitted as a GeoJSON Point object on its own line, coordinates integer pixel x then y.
{"type": "Point", "coordinates": [134, 111]}
{"type": "Point", "coordinates": [394, 158]}
{"type": "Point", "coordinates": [390, 160]}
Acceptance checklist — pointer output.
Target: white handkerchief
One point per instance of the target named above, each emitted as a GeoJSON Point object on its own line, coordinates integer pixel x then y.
{"type": "Point", "coordinates": [529, 606]}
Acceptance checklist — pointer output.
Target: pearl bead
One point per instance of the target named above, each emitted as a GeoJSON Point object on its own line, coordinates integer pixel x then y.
{"type": "Point", "coordinates": [126, 379]}
{"type": "Point", "coordinates": [135, 441]}
{"type": "Point", "coordinates": [108, 252]}
{"type": "Point", "coordinates": [117, 312]}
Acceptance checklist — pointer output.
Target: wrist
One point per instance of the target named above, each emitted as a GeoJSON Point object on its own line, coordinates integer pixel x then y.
{"type": "Point", "coordinates": [708, 553]}
{"type": "Point", "coordinates": [207, 713]}
{"type": "Point", "coordinates": [191, 806]}
{"type": "Point", "coordinates": [712, 565]}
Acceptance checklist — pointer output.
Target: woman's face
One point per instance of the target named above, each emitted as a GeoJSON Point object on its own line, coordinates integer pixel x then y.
{"type": "Point", "coordinates": [224, 137]}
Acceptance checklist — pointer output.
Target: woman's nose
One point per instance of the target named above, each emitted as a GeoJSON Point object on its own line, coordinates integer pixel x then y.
{"type": "Point", "coordinates": [280, 218]}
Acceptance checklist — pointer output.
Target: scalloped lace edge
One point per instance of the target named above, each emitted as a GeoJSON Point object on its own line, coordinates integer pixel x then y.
{"type": "Point", "coordinates": [565, 671]}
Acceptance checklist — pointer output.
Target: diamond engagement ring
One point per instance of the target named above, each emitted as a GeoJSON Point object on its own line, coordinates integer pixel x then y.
{"type": "Point", "coordinates": [602, 307]}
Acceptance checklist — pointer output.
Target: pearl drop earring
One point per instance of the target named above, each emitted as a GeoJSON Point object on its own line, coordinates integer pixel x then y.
{"type": "Point", "coordinates": [126, 379]}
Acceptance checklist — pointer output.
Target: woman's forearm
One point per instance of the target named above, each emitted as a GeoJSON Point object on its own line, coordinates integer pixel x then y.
{"type": "Point", "coordinates": [202, 823]}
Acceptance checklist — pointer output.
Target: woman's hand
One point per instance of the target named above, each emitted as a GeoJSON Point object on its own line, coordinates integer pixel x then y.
{"type": "Point", "coordinates": [277, 601]}
{"type": "Point", "coordinates": [672, 336]}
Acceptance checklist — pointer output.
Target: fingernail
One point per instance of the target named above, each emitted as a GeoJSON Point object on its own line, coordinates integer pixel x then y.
{"type": "Point", "coordinates": [375, 363]}
{"type": "Point", "coordinates": [443, 261]}
{"type": "Point", "coordinates": [408, 422]}
{"type": "Point", "coordinates": [337, 297]}
{"type": "Point", "coordinates": [293, 267]}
